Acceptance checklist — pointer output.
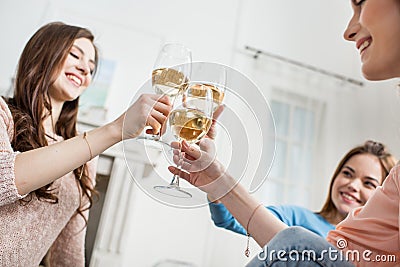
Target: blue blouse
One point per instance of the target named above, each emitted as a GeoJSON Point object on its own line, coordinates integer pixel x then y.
{"type": "Point", "coordinates": [289, 214]}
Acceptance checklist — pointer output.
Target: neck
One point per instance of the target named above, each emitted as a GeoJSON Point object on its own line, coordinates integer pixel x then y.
{"type": "Point", "coordinates": [334, 217]}
{"type": "Point", "coordinates": [50, 120]}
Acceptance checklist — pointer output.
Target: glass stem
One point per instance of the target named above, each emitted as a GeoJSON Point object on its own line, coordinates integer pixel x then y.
{"type": "Point", "coordinates": [175, 178]}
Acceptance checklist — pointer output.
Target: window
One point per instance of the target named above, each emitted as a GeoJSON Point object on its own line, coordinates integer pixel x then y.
{"type": "Point", "coordinates": [297, 122]}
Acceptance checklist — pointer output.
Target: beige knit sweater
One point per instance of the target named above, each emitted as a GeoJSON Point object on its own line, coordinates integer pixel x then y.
{"type": "Point", "coordinates": [28, 232]}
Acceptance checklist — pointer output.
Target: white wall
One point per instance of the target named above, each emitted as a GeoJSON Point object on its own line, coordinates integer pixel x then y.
{"type": "Point", "coordinates": [130, 32]}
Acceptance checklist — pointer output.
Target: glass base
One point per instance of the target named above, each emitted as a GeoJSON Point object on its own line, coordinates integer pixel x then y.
{"type": "Point", "coordinates": [172, 190]}
{"type": "Point", "coordinates": [152, 140]}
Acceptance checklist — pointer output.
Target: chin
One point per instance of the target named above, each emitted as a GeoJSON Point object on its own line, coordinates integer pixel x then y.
{"type": "Point", "coordinates": [377, 75]}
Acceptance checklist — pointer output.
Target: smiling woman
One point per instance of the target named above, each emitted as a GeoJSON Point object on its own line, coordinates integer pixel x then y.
{"type": "Point", "coordinates": [356, 177]}
{"type": "Point", "coordinates": [47, 169]}
{"type": "Point", "coordinates": [369, 235]}
{"type": "Point", "coordinates": [76, 73]}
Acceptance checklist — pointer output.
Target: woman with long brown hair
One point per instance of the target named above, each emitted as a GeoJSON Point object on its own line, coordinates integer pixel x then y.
{"type": "Point", "coordinates": [47, 169]}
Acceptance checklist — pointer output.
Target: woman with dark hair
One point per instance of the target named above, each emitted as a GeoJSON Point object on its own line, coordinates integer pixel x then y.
{"type": "Point", "coordinates": [47, 169]}
{"type": "Point", "coordinates": [352, 183]}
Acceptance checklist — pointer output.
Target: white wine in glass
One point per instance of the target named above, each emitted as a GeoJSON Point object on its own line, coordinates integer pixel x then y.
{"type": "Point", "coordinates": [171, 72]}
{"type": "Point", "coordinates": [189, 124]}
{"type": "Point", "coordinates": [217, 91]}
{"type": "Point", "coordinates": [167, 81]}
{"type": "Point", "coordinates": [172, 69]}
{"type": "Point", "coordinates": [190, 120]}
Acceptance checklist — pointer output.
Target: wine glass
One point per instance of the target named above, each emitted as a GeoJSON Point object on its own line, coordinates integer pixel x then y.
{"type": "Point", "coordinates": [189, 120]}
{"type": "Point", "coordinates": [171, 72]}
{"type": "Point", "coordinates": [213, 75]}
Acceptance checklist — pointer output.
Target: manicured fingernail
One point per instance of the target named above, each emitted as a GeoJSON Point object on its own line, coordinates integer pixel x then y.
{"type": "Point", "coordinates": [185, 144]}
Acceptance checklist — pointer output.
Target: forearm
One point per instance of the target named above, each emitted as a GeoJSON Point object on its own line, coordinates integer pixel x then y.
{"type": "Point", "coordinates": [223, 218]}
{"type": "Point", "coordinates": [263, 225]}
{"type": "Point", "coordinates": [36, 168]}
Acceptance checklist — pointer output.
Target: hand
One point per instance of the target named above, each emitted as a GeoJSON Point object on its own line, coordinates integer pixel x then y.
{"type": "Point", "coordinates": [148, 110]}
{"type": "Point", "coordinates": [212, 132]}
{"type": "Point", "coordinates": [199, 166]}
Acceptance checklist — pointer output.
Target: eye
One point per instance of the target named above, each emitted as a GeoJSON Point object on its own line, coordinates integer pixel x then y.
{"type": "Point", "coordinates": [370, 184]}
{"type": "Point", "coordinates": [346, 174]}
{"type": "Point", "coordinates": [74, 55]}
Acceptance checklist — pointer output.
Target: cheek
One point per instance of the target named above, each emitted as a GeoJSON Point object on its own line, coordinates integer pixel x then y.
{"type": "Point", "coordinates": [366, 194]}
{"type": "Point", "coordinates": [88, 81]}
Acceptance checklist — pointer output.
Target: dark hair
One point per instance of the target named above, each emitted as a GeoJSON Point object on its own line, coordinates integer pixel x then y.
{"type": "Point", "coordinates": [377, 149]}
{"type": "Point", "coordinates": [39, 65]}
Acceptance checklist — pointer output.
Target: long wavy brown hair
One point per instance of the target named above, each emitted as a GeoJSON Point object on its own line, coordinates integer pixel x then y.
{"type": "Point", "coordinates": [386, 159]}
{"type": "Point", "coordinates": [38, 68]}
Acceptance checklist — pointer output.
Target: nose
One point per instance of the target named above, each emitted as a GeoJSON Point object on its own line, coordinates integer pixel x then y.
{"type": "Point", "coordinates": [83, 67]}
{"type": "Point", "coordinates": [355, 185]}
{"type": "Point", "coordinates": [352, 29]}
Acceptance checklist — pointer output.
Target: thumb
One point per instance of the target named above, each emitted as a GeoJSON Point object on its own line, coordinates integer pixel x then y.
{"type": "Point", "coordinates": [207, 145]}
{"type": "Point", "coordinates": [218, 112]}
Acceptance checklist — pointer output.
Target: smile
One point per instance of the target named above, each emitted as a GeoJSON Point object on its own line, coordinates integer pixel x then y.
{"type": "Point", "coordinates": [349, 197]}
{"type": "Point", "coordinates": [76, 80]}
{"type": "Point", "coordinates": [364, 45]}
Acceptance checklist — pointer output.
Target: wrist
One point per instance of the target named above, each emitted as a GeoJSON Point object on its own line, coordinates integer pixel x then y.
{"type": "Point", "coordinates": [115, 131]}
{"type": "Point", "coordinates": [220, 188]}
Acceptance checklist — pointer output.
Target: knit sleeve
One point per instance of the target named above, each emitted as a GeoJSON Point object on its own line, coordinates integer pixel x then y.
{"type": "Point", "coordinates": [8, 189]}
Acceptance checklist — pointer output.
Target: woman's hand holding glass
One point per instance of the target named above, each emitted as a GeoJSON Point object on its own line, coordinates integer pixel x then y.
{"type": "Point", "coordinates": [189, 121]}
{"type": "Point", "coordinates": [148, 110]}
{"type": "Point", "coordinates": [199, 166]}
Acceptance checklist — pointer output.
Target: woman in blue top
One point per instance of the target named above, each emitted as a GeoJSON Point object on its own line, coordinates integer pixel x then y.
{"type": "Point", "coordinates": [352, 183]}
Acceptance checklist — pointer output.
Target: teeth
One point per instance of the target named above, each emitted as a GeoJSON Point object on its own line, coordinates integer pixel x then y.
{"type": "Point", "coordinates": [364, 45]}
{"type": "Point", "coordinates": [75, 79]}
{"type": "Point", "coordinates": [347, 196]}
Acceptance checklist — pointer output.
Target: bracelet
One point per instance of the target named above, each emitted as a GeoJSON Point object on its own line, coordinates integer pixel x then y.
{"type": "Point", "coordinates": [85, 134]}
{"type": "Point", "coordinates": [247, 251]}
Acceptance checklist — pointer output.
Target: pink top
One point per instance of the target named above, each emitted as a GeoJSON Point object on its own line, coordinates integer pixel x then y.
{"type": "Point", "coordinates": [29, 230]}
{"type": "Point", "coordinates": [372, 231]}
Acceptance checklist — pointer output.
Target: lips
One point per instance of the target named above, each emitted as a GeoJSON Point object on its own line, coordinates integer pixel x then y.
{"type": "Point", "coordinates": [74, 78]}
{"type": "Point", "coordinates": [363, 44]}
{"type": "Point", "coordinates": [349, 197]}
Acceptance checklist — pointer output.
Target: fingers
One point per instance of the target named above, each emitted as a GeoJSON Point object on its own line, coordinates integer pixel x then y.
{"type": "Point", "coordinates": [207, 145]}
{"type": "Point", "coordinates": [190, 151]}
{"type": "Point", "coordinates": [212, 132]}
{"type": "Point", "coordinates": [160, 107]}
{"type": "Point", "coordinates": [218, 112]}
{"type": "Point", "coordinates": [156, 120]}
{"type": "Point", "coordinates": [179, 172]}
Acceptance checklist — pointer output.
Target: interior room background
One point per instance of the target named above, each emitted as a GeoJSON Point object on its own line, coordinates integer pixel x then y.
{"type": "Point", "coordinates": [319, 113]}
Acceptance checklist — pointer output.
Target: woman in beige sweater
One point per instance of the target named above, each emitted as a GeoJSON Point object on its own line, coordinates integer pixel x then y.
{"type": "Point", "coordinates": [47, 171]}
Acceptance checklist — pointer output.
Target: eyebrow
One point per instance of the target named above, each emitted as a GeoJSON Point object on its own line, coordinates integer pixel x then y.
{"type": "Point", "coordinates": [81, 50]}
{"type": "Point", "coordinates": [367, 177]}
